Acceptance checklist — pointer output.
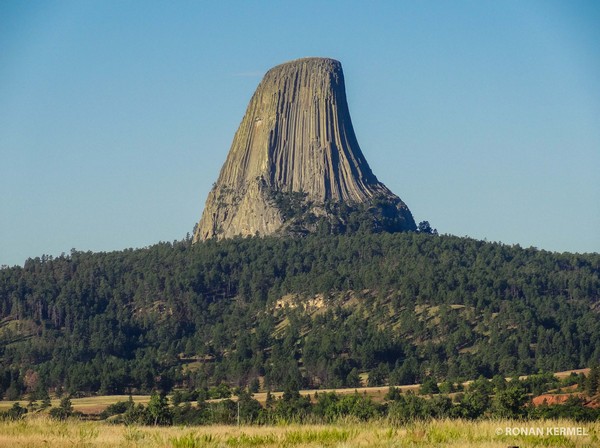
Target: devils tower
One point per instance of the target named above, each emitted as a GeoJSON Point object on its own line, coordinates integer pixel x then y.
{"type": "Point", "coordinates": [295, 163]}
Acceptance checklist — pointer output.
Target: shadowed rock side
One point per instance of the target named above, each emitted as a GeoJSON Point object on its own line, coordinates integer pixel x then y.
{"type": "Point", "coordinates": [296, 136]}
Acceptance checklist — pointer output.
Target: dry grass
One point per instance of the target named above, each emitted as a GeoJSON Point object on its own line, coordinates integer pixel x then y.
{"type": "Point", "coordinates": [377, 393]}
{"type": "Point", "coordinates": [88, 405]}
{"type": "Point", "coordinates": [95, 405]}
{"type": "Point", "coordinates": [39, 431]}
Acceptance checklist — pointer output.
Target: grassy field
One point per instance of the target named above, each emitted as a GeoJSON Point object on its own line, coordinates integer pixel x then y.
{"type": "Point", "coordinates": [88, 405]}
{"type": "Point", "coordinates": [95, 405]}
{"type": "Point", "coordinates": [39, 431]}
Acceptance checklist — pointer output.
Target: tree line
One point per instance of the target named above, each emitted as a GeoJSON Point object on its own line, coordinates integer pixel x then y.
{"type": "Point", "coordinates": [392, 309]}
{"type": "Point", "coordinates": [481, 399]}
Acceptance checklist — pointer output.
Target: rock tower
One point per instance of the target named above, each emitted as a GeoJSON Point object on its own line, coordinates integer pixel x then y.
{"type": "Point", "coordinates": [295, 161]}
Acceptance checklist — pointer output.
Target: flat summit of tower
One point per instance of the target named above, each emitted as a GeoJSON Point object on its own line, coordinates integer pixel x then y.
{"type": "Point", "coordinates": [313, 64]}
{"type": "Point", "coordinates": [295, 164]}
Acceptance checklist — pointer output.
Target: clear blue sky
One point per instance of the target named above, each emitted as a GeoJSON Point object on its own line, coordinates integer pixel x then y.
{"type": "Point", "coordinates": [116, 116]}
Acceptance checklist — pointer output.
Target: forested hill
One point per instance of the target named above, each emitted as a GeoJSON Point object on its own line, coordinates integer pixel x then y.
{"type": "Point", "coordinates": [316, 311]}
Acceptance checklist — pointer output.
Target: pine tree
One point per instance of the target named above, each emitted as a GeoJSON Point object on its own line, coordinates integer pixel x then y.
{"type": "Point", "coordinates": [592, 382]}
{"type": "Point", "coordinates": [64, 409]}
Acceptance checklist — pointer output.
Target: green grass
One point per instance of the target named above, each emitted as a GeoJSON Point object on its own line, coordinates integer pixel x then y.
{"type": "Point", "coordinates": [39, 430]}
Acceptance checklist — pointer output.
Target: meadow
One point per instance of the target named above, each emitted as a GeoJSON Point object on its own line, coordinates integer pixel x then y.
{"type": "Point", "coordinates": [40, 431]}
{"type": "Point", "coordinates": [96, 404]}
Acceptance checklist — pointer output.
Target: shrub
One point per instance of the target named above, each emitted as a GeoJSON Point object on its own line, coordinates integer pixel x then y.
{"type": "Point", "coordinates": [16, 412]}
{"type": "Point", "coordinates": [63, 411]}
{"type": "Point", "coordinates": [114, 409]}
{"type": "Point", "coordinates": [429, 387]}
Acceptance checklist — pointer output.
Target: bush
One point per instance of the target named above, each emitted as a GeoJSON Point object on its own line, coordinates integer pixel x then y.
{"type": "Point", "coordinates": [292, 407]}
{"type": "Point", "coordinates": [408, 408]}
{"type": "Point", "coordinates": [447, 387]}
{"type": "Point", "coordinates": [119, 407]}
{"type": "Point", "coordinates": [509, 402]}
{"type": "Point", "coordinates": [472, 405]}
{"type": "Point", "coordinates": [220, 391]}
{"type": "Point", "coordinates": [249, 408]}
{"type": "Point", "coordinates": [16, 412]}
{"type": "Point", "coordinates": [393, 394]}
{"type": "Point", "coordinates": [135, 414]}
{"type": "Point", "coordinates": [429, 387]}
{"type": "Point", "coordinates": [190, 415]}
{"type": "Point", "coordinates": [63, 411]}
{"type": "Point", "coordinates": [358, 406]}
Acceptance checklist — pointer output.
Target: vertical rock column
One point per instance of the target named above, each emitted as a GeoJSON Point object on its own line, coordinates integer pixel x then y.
{"type": "Point", "coordinates": [296, 136]}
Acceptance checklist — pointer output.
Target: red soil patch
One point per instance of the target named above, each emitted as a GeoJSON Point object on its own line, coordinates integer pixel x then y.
{"type": "Point", "coordinates": [551, 399]}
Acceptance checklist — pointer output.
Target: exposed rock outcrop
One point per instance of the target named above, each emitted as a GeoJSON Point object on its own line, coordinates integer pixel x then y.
{"type": "Point", "coordinates": [295, 161]}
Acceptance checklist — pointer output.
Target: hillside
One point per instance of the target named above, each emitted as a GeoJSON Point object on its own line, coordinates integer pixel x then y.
{"type": "Point", "coordinates": [318, 311]}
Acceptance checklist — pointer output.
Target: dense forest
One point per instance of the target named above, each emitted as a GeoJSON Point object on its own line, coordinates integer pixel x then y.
{"type": "Point", "coordinates": [313, 311]}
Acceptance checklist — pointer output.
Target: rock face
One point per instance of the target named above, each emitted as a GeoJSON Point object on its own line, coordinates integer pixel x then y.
{"type": "Point", "coordinates": [295, 159]}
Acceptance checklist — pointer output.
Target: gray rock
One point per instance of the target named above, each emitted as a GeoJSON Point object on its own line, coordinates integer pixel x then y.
{"type": "Point", "coordinates": [296, 136]}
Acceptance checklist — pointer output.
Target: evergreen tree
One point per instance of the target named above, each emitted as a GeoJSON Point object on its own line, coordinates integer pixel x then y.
{"type": "Point", "coordinates": [592, 382]}
{"type": "Point", "coordinates": [64, 409]}
{"type": "Point", "coordinates": [429, 387]}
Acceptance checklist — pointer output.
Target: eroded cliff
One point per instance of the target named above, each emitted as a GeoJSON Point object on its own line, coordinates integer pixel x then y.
{"type": "Point", "coordinates": [295, 161]}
